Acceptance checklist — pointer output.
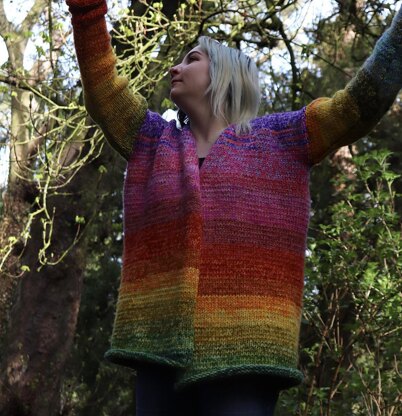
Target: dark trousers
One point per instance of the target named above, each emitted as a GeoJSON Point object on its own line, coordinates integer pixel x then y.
{"type": "Point", "coordinates": [232, 396]}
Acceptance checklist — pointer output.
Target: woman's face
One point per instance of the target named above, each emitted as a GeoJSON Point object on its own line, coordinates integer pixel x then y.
{"type": "Point", "coordinates": [190, 79]}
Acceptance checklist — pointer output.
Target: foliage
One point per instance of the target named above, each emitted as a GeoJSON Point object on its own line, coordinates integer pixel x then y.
{"type": "Point", "coordinates": [352, 304]}
{"type": "Point", "coordinates": [353, 278]}
{"type": "Point", "coordinates": [92, 386]}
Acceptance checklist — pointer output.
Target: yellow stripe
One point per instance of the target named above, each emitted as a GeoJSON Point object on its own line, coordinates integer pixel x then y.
{"type": "Point", "coordinates": [170, 279]}
{"type": "Point", "coordinates": [239, 318]}
{"type": "Point", "coordinates": [274, 304]}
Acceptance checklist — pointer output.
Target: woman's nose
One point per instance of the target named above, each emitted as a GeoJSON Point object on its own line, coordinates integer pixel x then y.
{"type": "Point", "coordinates": [174, 70]}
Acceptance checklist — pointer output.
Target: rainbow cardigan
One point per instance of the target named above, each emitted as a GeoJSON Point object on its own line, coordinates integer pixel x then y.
{"type": "Point", "coordinates": [213, 258]}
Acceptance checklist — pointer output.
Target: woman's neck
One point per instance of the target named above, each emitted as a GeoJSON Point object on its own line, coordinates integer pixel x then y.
{"type": "Point", "coordinates": [206, 128]}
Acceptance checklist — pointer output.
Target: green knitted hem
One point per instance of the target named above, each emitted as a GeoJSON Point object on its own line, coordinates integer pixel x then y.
{"type": "Point", "coordinates": [132, 358]}
{"type": "Point", "coordinates": [283, 377]}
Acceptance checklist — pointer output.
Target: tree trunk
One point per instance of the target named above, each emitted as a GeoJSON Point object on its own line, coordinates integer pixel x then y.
{"type": "Point", "coordinates": [19, 193]}
{"type": "Point", "coordinates": [42, 326]}
{"type": "Point", "coordinates": [38, 312]}
{"type": "Point", "coordinates": [44, 315]}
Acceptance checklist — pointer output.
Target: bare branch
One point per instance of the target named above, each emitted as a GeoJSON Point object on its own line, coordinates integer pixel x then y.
{"type": "Point", "coordinates": [28, 85]}
{"type": "Point", "coordinates": [33, 14]}
{"type": "Point", "coordinates": [295, 72]}
{"type": "Point", "coordinates": [13, 81]}
{"type": "Point", "coordinates": [5, 25]}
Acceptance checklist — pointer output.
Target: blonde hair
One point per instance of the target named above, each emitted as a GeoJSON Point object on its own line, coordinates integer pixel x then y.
{"type": "Point", "coordinates": [234, 89]}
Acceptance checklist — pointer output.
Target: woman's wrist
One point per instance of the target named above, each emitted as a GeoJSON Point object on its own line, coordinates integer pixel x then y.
{"type": "Point", "coordinates": [83, 4]}
{"type": "Point", "coordinates": [85, 11]}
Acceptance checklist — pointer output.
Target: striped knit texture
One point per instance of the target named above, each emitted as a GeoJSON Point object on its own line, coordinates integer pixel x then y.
{"type": "Point", "coordinates": [213, 257]}
{"type": "Point", "coordinates": [108, 99]}
{"type": "Point", "coordinates": [351, 113]}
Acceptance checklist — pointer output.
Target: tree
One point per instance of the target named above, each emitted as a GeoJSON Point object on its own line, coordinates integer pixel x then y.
{"type": "Point", "coordinates": [61, 220]}
{"type": "Point", "coordinates": [41, 323]}
{"type": "Point", "coordinates": [353, 286]}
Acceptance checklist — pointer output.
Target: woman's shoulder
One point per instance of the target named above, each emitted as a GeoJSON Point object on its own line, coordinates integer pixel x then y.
{"type": "Point", "coordinates": [280, 120]}
{"type": "Point", "coordinates": [155, 125]}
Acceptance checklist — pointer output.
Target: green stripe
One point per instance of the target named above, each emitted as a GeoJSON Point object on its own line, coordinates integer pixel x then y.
{"type": "Point", "coordinates": [283, 377]}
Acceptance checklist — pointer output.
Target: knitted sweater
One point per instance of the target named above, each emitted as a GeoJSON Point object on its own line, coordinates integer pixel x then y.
{"type": "Point", "coordinates": [213, 258]}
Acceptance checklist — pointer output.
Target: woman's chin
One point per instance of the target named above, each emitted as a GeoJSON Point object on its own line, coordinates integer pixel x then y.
{"type": "Point", "coordinates": [175, 97]}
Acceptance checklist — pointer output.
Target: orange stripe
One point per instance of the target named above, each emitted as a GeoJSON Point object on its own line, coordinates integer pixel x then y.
{"type": "Point", "coordinates": [179, 280]}
{"type": "Point", "coordinates": [236, 318]}
{"type": "Point", "coordinates": [216, 303]}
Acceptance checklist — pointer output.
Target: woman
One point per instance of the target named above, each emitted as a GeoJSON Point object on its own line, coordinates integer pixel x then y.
{"type": "Point", "coordinates": [210, 299]}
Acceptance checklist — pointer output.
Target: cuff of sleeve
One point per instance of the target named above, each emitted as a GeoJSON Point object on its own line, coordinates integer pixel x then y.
{"type": "Point", "coordinates": [84, 11]}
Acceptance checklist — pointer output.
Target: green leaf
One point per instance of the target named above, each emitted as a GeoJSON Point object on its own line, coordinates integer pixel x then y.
{"type": "Point", "coordinates": [79, 220]}
{"type": "Point", "coordinates": [102, 169]}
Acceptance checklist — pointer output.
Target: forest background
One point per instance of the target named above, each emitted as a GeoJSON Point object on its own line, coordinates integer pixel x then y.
{"type": "Point", "coordinates": [61, 203]}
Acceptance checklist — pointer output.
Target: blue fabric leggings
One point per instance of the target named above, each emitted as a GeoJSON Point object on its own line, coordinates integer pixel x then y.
{"type": "Point", "coordinates": [232, 396]}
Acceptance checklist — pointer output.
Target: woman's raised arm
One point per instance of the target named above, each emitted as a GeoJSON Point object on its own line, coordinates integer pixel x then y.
{"type": "Point", "coordinates": [108, 99]}
{"type": "Point", "coordinates": [354, 111]}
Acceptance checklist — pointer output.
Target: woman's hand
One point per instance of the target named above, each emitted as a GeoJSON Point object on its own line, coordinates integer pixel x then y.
{"type": "Point", "coordinates": [84, 11]}
{"type": "Point", "coordinates": [83, 3]}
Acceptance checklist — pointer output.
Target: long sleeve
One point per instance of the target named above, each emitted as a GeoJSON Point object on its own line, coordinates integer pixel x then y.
{"type": "Point", "coordinates": [117, 110]}
{"type": "Point", "coordinates": [354, 111]}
